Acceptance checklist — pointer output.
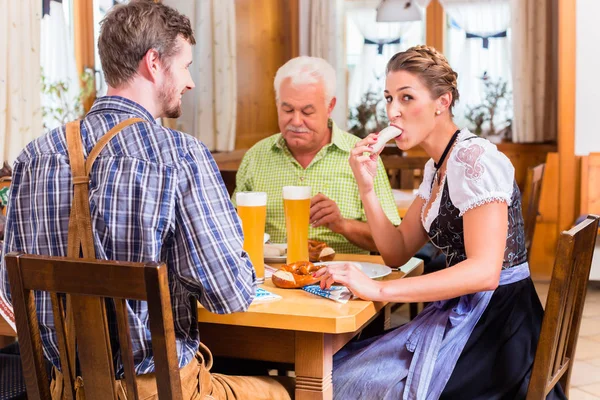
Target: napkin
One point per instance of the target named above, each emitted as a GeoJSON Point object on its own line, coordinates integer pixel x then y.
{"type": "Point", "coordinates": [264, 296]}
{"type": "Point", "coordinates": [341, 294]}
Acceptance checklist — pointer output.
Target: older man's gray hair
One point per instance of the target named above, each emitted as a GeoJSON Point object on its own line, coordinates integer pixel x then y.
{"type": "Point", "coordinates": [306, 70]}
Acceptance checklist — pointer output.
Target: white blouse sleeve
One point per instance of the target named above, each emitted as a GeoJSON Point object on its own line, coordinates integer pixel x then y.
{"type": "Point", "coordinates": [425, 188]}
{"type": "Point", "coordinates": [477, 174]}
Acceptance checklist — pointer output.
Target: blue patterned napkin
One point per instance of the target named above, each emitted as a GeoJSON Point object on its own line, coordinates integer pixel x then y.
{"type": "Point", "coordinates": [264, 296]}
{"type": "Point", "coordinates": [341, 294]}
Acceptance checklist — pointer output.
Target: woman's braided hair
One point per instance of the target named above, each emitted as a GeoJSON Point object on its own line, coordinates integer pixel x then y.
{"type": "Point", "coordinates": [431, 67]}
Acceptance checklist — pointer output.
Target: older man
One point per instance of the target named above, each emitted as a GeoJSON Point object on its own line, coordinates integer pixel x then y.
{"type": "Point", "coordinates": [312, 151]}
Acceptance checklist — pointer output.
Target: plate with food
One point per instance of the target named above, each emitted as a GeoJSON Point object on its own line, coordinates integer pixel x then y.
{"type": "Point", "coordinates": [299, 274]}
{"type": "Point", "coordinates": [275, 253]}
{"type": "Point", "coordinates": [317, 252]}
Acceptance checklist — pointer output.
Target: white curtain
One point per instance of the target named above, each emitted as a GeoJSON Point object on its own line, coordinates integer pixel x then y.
{"type": "Point", "coordinates": [20, 114]}
{"type": "Point", "coordinates": [210, 110]}
{"type": "Point", "coordinates": [57, 58]}
{"type": "Point", "coordinates": [326, 40]}
{"type": "Point", "coordinates": [533, 71]}
{"type": "Point", "coordinates": [369, 73]}
{"type": "Point", "coordinates": [469, 56]}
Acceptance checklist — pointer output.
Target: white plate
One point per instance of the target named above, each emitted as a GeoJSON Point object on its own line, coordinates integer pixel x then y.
{"type": "Point", "coordinates": [267, 237]}
{"type": "Point", "coordinates": [277, 259]}
{"type": "Point", "coordinates": [372, 270]}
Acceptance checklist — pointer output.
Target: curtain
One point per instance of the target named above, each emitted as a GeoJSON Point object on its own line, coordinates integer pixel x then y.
{"type": "Point", "coordinates": [57, 58]}
{"type": "Point", "coordinates": [20, 114]}
{"type": "Point", "coordinates": [326, 34]}
{"type": "Point", "coordinates": [479, 45]}
{"type": "Point", "coordinates": [210, 109]}
{"type": "Point", "coordinates": [533, 71]}
{"type": "Point", "coordinates": [382, 41]}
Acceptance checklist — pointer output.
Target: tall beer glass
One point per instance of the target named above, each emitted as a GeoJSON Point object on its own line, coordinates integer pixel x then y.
{"type": "Point", "coordinates": [296, 204]}
{"type": "Point", "coordinates": [252, 209]}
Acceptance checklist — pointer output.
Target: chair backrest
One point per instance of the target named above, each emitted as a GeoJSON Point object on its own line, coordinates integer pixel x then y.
{"type": "Point", "coordinates": [562, 317]}
{"type": "Point", "coordinates": [228, 176]}
{"type": "Point", "coordinates": [531, 202]}
{"type": "Point", "coordinates": [87, 283]}
{"type": "Point", "coordinates": [229, 159]}
{"type": "Point", "coordinates": [404, 172]}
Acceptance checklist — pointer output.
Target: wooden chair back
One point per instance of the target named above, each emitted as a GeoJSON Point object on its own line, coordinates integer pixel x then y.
{"type": "Point", "coordinates": [562, 318]}
{"type": "Point", "coordinates": [229, 159]}
{"type": "Point", "coordinates": [531, 202]}
{"type": "Point", "coordinates": [88, 284]}
{"type": "Point", "coordinates": [404, 172]}
{"type": "Point", "coordinates": [228, 176]}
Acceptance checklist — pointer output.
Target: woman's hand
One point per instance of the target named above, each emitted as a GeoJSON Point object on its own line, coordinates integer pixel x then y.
{"type": "Point", "coordinates": [352, 277]}
{"type": "Point", "coordinates": [364, 166]}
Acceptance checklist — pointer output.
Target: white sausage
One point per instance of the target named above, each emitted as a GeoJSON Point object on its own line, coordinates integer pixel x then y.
{"type": "Point", "coordinates": [384, 136]}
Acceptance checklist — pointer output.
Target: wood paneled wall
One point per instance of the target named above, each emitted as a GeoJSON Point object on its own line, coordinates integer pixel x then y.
{"type": "Point", "coordinates": [267, 36]}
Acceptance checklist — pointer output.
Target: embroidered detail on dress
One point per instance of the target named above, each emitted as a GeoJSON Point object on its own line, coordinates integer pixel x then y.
{"type": "Point", "coordinates": [479, 202]}
{"type": "Point", "coordinates": [470, 158]}
{"type": "Point", "coordinates": [434, 209]}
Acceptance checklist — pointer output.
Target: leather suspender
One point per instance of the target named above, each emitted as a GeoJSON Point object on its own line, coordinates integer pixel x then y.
{"type": "Point", "coordinates": [80, 235]}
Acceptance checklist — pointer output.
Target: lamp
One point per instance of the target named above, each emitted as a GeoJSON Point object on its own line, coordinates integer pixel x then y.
{"type": "Point", "coordinates": [398, 11]}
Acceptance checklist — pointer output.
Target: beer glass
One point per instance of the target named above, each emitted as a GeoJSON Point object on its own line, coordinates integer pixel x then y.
{"type": "Point", "coordinates": [252, 209]}
{"type": "Point", "coordinates": [296, 205]}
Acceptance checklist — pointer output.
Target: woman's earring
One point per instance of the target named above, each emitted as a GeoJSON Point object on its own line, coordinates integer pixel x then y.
{"type": "Point", "coordinates": [438, 112]}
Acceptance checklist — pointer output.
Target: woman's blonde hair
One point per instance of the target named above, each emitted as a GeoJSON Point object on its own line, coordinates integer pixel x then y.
{"type": "Point", "coordinates": [431, 67]}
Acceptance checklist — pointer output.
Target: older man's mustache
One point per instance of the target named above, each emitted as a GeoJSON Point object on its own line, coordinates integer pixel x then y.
{"type": "Point", "coordinates": [297, 129]}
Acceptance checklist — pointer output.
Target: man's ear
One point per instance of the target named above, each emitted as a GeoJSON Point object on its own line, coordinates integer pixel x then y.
{"type": "Point", "coordinates": [331, 105]}
{"type": "Point", "coordinates": [152, 64]}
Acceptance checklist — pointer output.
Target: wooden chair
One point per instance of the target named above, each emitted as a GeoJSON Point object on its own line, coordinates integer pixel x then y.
{"type": "Point", "coordinates": [228, 176]}
{"type": "Point", "coordinates": [229, 159]}
{"type": "Point", "coordinates": [560, 328]}
{"type": "Point", "coordinates": [404, 172]}
{"type": "Point", "coordinates": [87, 284]}
{"type": "Point", "coordinates": [531, 201]}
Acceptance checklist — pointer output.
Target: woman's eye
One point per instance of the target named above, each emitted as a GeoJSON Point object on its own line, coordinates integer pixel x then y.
{"type": "Point", "coordinates": [406, 97]}
{"type": "Point", "coordinates": [388, 99]}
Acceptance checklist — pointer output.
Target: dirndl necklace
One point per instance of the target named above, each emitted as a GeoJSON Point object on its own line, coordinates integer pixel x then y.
{"type": "Point", "coordinates": [438, 165]}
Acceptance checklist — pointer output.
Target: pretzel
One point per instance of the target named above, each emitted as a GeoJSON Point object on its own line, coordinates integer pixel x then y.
{"type": "Point", "coordinates": [295, 275]}
{"type": "Point", "coordinates": [319, 252]}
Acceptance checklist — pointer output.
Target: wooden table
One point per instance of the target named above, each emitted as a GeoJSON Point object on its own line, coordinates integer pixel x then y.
{"type": "Point", "coordinates": [403, 199]}
{"type": "Point", "coordinates": [301, 329]}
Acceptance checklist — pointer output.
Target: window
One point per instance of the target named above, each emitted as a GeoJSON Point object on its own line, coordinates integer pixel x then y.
{"type": "Point", "coordinates": [369, 46]}
{"type": "Point", "coordinates": [478, 40]}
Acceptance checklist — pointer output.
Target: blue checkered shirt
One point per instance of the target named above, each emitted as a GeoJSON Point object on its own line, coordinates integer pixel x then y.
{"type": "Point", "coordinates": [155, 195]}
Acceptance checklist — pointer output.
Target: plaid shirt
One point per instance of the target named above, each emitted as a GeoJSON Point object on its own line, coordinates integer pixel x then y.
{"type": "Point", "coordinates": [269, 165]}
{"type": "Point", "coordinates": [155, 195]}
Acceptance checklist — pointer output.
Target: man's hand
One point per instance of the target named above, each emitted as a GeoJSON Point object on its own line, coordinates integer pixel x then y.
{"type": "Point", "coordinates": [325, 212]}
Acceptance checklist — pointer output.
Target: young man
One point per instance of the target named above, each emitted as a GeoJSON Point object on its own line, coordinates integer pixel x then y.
{"type": "Point", "coordinates": [155, 195]}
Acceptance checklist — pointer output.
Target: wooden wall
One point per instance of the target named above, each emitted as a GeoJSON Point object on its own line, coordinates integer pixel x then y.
{"type": "Point", "coordinates": [267, 36]}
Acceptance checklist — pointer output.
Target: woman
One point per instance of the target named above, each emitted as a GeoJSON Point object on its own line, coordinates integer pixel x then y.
{"type": "Point", "coordinates": [477, 339]}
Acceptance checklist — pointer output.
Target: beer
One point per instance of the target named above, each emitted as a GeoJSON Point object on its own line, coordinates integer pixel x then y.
{"type": "Point", "coordinates": [252, 209]}
{"type": "Point", "coordinates": [296, 204]}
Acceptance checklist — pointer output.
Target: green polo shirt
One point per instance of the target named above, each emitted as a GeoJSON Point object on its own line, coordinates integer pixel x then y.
{"type": "Point", "coordinates": [269, 166]}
